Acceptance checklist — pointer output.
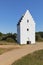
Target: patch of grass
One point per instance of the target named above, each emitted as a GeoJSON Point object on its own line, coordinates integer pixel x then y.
{"type": "Point", "coordinates": [7, 43]}
{"type": "Point", "coordinates": [3, 50]}
{"type": "Point", "coordinates": [35, 58]}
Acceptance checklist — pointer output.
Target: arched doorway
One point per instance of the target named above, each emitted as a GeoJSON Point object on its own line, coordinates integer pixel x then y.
{"type": "Point", "coordinates": [28, 41]}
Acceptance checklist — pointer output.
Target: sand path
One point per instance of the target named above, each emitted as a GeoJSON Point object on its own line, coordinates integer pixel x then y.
{"type": "Point", "coordinates": [9, 57]}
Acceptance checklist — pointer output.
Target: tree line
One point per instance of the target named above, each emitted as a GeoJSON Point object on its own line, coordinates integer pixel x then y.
{"type": "Point", "coordinates": [39, 36]}
{"type": "Point", "coordinates": [9, 37]}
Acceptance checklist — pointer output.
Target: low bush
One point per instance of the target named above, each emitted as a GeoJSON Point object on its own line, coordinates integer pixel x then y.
{"type": "Point", "coordinates": [10, 40]}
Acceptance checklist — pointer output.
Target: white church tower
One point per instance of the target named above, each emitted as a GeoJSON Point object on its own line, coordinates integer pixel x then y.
{"type": "Point", "coordinates": [26, 29]}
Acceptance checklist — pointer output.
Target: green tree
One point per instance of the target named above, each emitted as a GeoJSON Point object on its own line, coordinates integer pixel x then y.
{"type": "Point", "coordinates": [1, 34]}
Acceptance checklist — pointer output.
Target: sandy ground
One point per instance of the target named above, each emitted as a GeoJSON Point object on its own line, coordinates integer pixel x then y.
{"type": "Point", "coordinates": [9, 46]}
{"type": "Point", "coordinates": [9, 57]}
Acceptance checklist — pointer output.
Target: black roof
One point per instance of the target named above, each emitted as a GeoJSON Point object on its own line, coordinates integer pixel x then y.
{"type": "Point", "coordinates": [20, 20]}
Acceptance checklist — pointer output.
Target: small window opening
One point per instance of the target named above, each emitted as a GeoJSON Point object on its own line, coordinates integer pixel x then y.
{"type": "Point", "coordinates": [27, 29]}
{"type": "Point", "coordinates": [27, 20]}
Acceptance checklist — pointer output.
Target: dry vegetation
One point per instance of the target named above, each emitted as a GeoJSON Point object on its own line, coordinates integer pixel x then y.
{"type": "Point", "coordinates": [7, 43]}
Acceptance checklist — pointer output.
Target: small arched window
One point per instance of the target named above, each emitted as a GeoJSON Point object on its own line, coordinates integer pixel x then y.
{"type": "Point", "coordinates": [27, 29]}
{"type": "Point", "coordinates": [27, 21]}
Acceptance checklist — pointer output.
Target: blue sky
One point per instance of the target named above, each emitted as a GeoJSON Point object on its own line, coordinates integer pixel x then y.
{"type": "Point", "coordinates": [12, 10]}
